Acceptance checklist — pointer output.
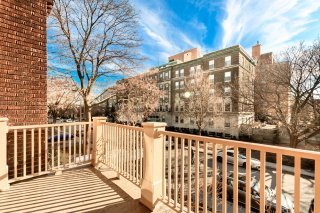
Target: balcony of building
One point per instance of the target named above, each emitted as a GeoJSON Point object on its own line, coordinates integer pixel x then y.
{"type": "Point", "coordinates": [105, 167]}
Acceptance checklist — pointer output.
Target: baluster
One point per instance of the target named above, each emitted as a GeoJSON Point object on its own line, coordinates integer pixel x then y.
{"type": "Point", "coordinates": [64, 147]}
{"type": "Point", "coordinates": [248, 181]}
{"type": "Point", "coordinates": [279, 182]}
{"type": "Point", "coordinates": [46, 149]}
{"type": "Point", "coordinates": [214, 177]}
{"type": "Point", "coordinates": [52, 148]}
{"type": "Point", "coordinates": [262, 180]}
{"type": "Point", "coordinates": [84, 142]}
{"type": "Point", "coordinates": [69, 133]}
{"type": "Point", "coordinates": [15, 147]}
{"type": "Point", "coordinates": [24, 152]}
{"type": "Point", "coordinates": [205, 165]}
{"type": "Point", "coordinates": [224, 179]}
{"type": "Point", "coordinates": [235, 180]}
{"type": "Point", "coordinates": [169, 169]}
{"type": "Point", "coordinates": [182, 174]}
{"type": "Point", "coordinates": [39, 151]}
{"type": "Point", "coordinates": [74, 144]}
{"type": "Point", "coordinates": [197, 178]}
{"type": "Point", "coordinates": [80, 141]}
{"type": "Point", "coordinates": [32, 152]}
{"type": "Point", "coordinates": [189, 174]}
{"type": "Point", "coordinates": [176, 149]}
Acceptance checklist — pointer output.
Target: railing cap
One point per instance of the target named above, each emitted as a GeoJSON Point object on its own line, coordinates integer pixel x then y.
{"type": "Point", "coordinates": [154, 124]}
{"type": "Point", "coordinates": [99, 118]}
{"type": "Point", "coordinates": [4, 119]}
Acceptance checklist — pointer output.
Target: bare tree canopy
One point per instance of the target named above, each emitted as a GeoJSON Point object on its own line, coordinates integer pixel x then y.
{"type": "Point", "coordinates": [96, 38]}
{"type": "Point", "coordinates": [138, 98]}
{"type": "Point", "coordinates": [289, 91]}
{"type": "Point", "coordinates": [61, 96]}
{"type": "Point", "coordinates": [203, 100]}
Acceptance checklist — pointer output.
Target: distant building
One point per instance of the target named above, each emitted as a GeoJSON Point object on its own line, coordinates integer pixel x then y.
{"type": "Point", "coordinates": [265, 70]}
{"type": "Point", "coordinates": [222, 67]}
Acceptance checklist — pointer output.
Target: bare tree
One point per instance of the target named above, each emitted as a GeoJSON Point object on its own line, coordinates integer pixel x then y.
{"type": "Point", "coordinates": [138, 98]}
{"type": "Point", "coordinates": [288, 91]}
{"type": "Point", "coordinates": [203, 100]}
{"type": "Point", "coordinates": [61, 96]}
{"type": "Point", "coordinates": [97, 38]}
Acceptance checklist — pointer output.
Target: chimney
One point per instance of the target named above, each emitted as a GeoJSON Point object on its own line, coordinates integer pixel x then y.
{"type": "Point", "coordinates": [256, 50]}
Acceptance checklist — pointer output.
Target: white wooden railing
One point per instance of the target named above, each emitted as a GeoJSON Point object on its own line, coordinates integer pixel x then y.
{"type": "Point", "coordinates": [124, 150]}
{"type": "Point", "coordinates": [177, 150]}
{"type": "Point", "coordinates": [175, 166]}
{"type": "Point", "coordinates": [42, 149]}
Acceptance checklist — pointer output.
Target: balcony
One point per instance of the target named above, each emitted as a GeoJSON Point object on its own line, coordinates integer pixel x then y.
{"type": "Point", "coordinates": [105, 167]}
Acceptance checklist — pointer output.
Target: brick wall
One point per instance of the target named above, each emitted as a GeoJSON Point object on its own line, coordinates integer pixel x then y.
{"type": "Point", "coordinates": [23, 69]}
{"type": "Point", "coordinates": [23, 61]}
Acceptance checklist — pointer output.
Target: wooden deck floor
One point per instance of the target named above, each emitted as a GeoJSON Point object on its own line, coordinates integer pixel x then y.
{"type": "Point", "coordinates": [77, 190]}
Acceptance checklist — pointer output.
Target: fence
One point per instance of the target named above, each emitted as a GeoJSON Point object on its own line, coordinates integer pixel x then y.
{"type": "Point", "coordinates": [180, 169]}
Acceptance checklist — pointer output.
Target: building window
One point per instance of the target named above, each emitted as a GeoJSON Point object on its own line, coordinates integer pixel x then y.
{"type": "Point", "coordinates": [227, 91]}
{"type": "Point", "coordinates": [167, 86]}
{"type": "Point", "coordinates": [211, 65]}
{"type": "Point", "coordinates": [160, 108]}
{"type": "Point", "coordinates": [219, 107]}
{"type": "Point", "coordinates": [177, 119]}
{"type": "Point", "coordinates": [160, 86]}
{"type": "Point", "coordinates": [166, 75]}
{"type": "Point", "coordinates": [161, 76]}
{"type": "Point", "coordinates": [177, 84]}
{"type": "Point", "coordinates": [198, 68]}
{"type": "Point", "coordinates": [227, 106]}
{"type": "Point", "coordinates": [211, 122]}
{"type": "Point", "coordinates": [191, 121]}
{"type": "Point", "coordinates": [163, 119]}
{"type": "Point", "coordinates": [211, 79]}
{"type": "Point", "coordinates": [227, 76]}
{"type": "Point", "coordinates": [192, 70]}
{"type": "Point", "coordinates": [167, 108]}
{"type": "Point", "coordinates": [210, 109]}
{"type": "Point", "coordinates": [181, 72]}
{"type": "Point", "coordinates": [241, 60]}
{"type": "Point", "coordinates": [177, 108]}
{"type": "Point", "coordinates": [181, 120]}
{"type": "Point", "coordinates": [227, 61]}
{"type": "Point", "coordinates": [177, 73]}
{"type": "Point", "coordinates": [181, 84]}
{"type": "Point", "coordinates": [227, 124]}
{"type": "Point", "coordinates": [181, 108]}
{"type": "Point", "coordinates": [211, 92]}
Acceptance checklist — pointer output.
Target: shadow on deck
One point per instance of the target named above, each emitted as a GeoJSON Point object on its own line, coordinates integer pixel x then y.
{"type": "Point", "coordinates": [78, 190]}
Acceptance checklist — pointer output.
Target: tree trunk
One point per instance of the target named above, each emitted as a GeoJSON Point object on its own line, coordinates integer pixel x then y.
{"type": "Point", "coordinates": [200, 129]}
{"type": "Point", "coordinates": [294, 141]}
{"type": "Point", "coordinates": [87, 109]}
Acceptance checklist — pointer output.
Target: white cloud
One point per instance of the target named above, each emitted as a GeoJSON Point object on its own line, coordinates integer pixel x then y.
{"type": "Point", "coordinates": [275, 23]}
{"type": "Point", "coordinates": [162, 34]}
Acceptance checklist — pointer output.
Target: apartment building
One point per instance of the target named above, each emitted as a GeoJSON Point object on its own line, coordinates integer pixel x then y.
{"type": "Point", "coordinates": [270, 96]}
{"type": "Point", "coordinates": [231, 69]}
{"type": "Point", "coordinates": [224, 67]}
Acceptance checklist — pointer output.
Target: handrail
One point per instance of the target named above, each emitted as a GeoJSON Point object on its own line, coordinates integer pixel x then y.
{"type": "Point", "coordinates": [47, 125]}
{"type": "Point", "coordinates": [261, 147]}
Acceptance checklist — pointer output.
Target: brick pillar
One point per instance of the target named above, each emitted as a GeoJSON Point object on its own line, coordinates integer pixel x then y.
{"type": "Point", "coordinates": [151, 186]}
{"type": "Point", "coordinates": [98, 141]}
{"type": "Point", "coordinates": [4, 185]}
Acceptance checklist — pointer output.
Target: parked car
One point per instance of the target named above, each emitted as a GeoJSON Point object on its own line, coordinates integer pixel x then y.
{"type": "Point", "coordinates": [270, 195]}
{"type": "Point", "coordinates": [242, 160]}
{"type": "Point", "coordinates": [69, 120]}
{"type": "Point", "coordinates": [56, 137]}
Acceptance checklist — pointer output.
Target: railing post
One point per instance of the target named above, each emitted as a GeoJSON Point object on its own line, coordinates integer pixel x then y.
{"type": "Point", "coordinates": [98, 140]}
{"type": "Point", "coordinates": [151, 186]}
{"type": "Point", "coordinates": [4, 184]}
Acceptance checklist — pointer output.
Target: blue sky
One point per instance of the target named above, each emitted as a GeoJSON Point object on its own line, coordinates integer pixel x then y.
{"type": "Point", "coordinates": [169, 27]}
